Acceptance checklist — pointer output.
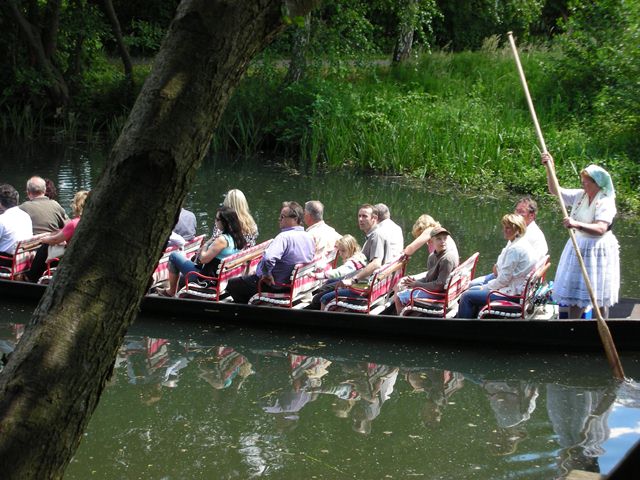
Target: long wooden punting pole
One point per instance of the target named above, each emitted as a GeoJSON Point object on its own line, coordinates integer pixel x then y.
{"type": "Point", "coordinates": [603, 329]}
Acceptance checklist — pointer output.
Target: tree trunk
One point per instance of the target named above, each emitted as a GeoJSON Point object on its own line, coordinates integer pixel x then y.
{"type": "Point", "coordinates": [50, 31]}
{"type": "Point", "coordinates": [55, 377]}
{"type": "Point", "coordinates": [406, 27]}
{"type": "Point", "coordinates": [56, 84]}
{"type": "Point", "coordinates": [299, 44]}
{"type": "Point", "coordinates": [107, 6]}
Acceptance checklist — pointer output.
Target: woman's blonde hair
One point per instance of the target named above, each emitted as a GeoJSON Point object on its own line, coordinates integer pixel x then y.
{"type": "Point", "coordinates": [422, 223]}
{"type": "Point", "coordinates": [235, 199]}
{"type": "Point", "coordinates": [349, 244]}
{"type": "Point", "coordinates": [77, 204]}
{"type": "Point", "coordinates": [516, 222]}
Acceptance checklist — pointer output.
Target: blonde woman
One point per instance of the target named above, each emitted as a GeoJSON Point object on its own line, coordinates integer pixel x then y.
{"type": "Point", "coordinates": [236, 200]}
{"type": "Point", "coordinates": [510, 271]}
{"type": "Point", "coordinates": [58, 239]}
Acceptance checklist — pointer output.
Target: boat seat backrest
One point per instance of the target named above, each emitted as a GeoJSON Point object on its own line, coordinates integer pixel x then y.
{"type": "Point", "coordinates": [302, 282]}
{"type": "Point", "coordinates": [161, 273]}
{"type": "Point", "coordinates": [241, 263]}
{"type": "Point", "coordinates": [460, 278]}
{"type": "Point", "coordinates": [445, 304]}
{"type": "Point", "coordinates": [22, 258]}
{"type": "Point", "coordinates": [303, 279]}
{"type": "Point", "coordinates": [386, 278]}
{"type": "Point", "coordinates": [517, 306]}
{"type": "Point", "coordinates": [380, 286]}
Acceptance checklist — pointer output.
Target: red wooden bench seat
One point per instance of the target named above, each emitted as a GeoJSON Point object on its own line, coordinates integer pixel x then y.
{"type": "Point", "coordinates": [445, 304]}
{"type": "Point", "coordinates": [161, 273]}
{"type": "Point", "coordinates": [303, 282]}
{"type": "Point", "coordinates": [376, 295]}
{"type": "Point", "coordinates": [517, 306]}
{"type": "Point", "coordinates": [22, 258]}
{"type": "Point", "coordinates": [212, 288]}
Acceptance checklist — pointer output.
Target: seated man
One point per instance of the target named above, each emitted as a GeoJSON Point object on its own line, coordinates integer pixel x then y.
{"type": "Point", "coordinates": [527, 207]}
{"type": "Point", "coordinates": [291, 246]}
{"type": "Point", "coordinates": [184, 229]}
{"type": "Point", "coordinates": [15, 225]}
{"type": "Point", "coordinates": [46, 215]}
{"type": "Point", "coordinates": [390, 230]}
{"type": "Point", "coordinates": [324, 235]}
{"type": "Point", "coordinates": [440, 264]}
{"type": "Point", "coordinates": [375, 249]}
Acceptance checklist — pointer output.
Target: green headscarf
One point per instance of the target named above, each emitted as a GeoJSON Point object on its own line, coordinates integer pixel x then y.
{"type": "Point", "coordinates": [602, 179]}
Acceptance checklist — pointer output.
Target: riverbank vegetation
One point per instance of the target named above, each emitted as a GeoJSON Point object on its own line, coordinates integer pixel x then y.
{"type": "Point", "coordinates": [449, 108]}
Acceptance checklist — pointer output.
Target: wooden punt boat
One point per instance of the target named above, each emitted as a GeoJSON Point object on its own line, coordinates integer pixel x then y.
{"type": "Point", "coordinates": [502, 333]}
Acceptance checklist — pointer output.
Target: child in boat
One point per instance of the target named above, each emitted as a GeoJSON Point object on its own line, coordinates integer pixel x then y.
{"type": "Point", "coordinates": [440, 264]}
{"type": "Point", "coordinates": [352, 260]}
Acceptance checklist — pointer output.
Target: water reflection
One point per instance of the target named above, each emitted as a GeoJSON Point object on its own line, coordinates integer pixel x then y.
{"type": "Point", "coordinates": [237, 404]}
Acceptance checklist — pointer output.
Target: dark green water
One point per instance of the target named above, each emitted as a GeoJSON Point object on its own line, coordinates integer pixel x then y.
{"type": "Point", "coordinates": [191, 401]}
{"type": "Point", "coordinates": [188, 401]}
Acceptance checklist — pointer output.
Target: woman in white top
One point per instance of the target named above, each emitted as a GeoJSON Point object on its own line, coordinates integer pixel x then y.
{"type": "Point", "coordinates": [592, 211]}
{"type": "Point", "coordinates": [510, 271]}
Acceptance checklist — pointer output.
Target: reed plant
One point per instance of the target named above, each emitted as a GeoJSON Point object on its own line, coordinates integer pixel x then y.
{"type": "Point", "coordinates": [451, 117]}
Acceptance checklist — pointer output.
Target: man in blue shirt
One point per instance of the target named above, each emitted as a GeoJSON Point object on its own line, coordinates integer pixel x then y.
{"type": "Point", "coordinates": [291, 246]}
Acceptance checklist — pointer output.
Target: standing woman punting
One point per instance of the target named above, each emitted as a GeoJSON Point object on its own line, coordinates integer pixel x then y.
{"type": "Point", "coordinates": [593, 209]}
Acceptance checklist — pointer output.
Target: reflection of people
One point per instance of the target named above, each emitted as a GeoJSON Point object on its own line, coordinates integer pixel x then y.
{"type": "Point", "coordinates": [592, 211]}
{"type": "Point", "coordinates": [512, 402]}
{"type": "Point", "coordinates": [306, 378]}
{"type": "Point", "coordinates": [375, 387]}
{"type": "Point", "coordinates": [438, 386]}
{"type": "Point", "coordinates": [579, 417]}
{"type": "Point", "coordinates": [225, 366]}
{"type": "Point", "coordinates": [510, 271]}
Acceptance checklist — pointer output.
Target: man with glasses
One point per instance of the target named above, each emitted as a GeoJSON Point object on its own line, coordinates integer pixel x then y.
{"type": "Point", "coordinates": [291, 246]}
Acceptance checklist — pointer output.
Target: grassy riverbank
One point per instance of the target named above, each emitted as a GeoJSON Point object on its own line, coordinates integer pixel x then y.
{"type": "Point", "coordinates": [459, 118]}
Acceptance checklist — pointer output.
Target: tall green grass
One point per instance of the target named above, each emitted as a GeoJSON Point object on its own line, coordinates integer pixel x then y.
{"type": "Point", "coordinates": [449, 117]}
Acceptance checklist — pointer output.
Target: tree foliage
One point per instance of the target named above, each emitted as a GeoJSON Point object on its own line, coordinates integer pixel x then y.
{"type": "Point", "coordinates": [600, 68]}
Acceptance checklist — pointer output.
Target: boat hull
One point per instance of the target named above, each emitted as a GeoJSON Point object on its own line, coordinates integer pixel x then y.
{"type": "Point", "coordinates": [562, 335]}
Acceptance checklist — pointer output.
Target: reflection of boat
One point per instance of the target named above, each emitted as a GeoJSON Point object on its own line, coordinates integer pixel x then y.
{"type": "Point", "coordinates": [568, 334]}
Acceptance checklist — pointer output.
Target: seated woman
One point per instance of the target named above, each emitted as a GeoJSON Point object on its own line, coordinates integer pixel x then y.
{"type": "Point", "coordinates": [236, 200]}
{"type": "Point", "coordinates": [440, 264]}
{"type": "Point", "coordinates": [216, 249]}
{"type": "Point", "coordinates": [352, 260]}
{"type": "Point", "coordinates": [512, 267]}
{"type": "Point", "coordinates": [58, 239]}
